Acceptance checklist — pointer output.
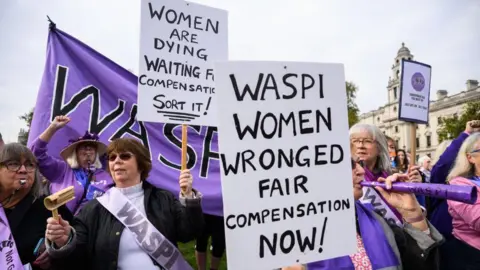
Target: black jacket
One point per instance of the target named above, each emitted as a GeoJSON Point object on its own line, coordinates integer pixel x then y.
{"type": "Point", "coordinates": [98, 232]}
{"type": "Point", "coordinates": [28, 222]}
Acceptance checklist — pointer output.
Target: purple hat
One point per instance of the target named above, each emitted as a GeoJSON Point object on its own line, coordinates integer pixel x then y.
{"type": "Point", "coordinates": [88, 137]}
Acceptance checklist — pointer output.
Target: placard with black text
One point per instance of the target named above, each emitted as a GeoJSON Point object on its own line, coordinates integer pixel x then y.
{"type": "Point", "coordinates": [179, 41]}
{"type": "Point", "coordinates": [286, 170]}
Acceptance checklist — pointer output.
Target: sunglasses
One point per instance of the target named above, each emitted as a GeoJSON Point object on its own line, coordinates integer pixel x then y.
{"type": "Point", "coordinates": [355, 162]}
{"type": "Point", "coordinates": [122, 156]}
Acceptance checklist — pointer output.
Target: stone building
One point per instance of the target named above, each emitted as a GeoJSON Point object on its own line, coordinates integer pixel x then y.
{"type": "Point", "coordinates": [386, 117]}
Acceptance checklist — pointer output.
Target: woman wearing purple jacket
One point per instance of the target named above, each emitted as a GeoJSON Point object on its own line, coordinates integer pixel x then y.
{"type": "Point", "coordinates": [80, 167]}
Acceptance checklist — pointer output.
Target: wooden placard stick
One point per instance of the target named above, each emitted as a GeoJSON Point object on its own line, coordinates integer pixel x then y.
{"type": "Point", "coordinates": [56, 200]}
{"type": "Point", "coordinates": [184, 147]}
{"type": "Point", "coordinates": [413, 144]}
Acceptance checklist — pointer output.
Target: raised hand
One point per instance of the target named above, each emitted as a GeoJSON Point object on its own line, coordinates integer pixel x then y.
{"type": "Point", "coordinates": [472, 126]}
{"type": "Point", "coordinates": [185, 181]}
{"type": "Point", "coordinates": [58, 231]}
{"type": "Point", "coordinates": [405, 203]}
{"type": "Point", "coordinates": [59, 122]}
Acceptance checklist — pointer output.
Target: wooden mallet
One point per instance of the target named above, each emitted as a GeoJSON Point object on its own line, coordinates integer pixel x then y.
{"type": "Point", "coordinates": [56, 200]}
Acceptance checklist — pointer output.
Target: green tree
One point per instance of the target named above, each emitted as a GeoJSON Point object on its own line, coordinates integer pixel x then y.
{"type": "Point", "coordinates": [23, 135]}
{"type": "Point", "coordinates": [353, 111]}
{"type": "Point", "coordinates": [452, 126]}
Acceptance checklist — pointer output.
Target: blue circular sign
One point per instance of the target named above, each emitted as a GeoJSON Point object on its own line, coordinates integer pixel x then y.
{"type": "Point", "coordinates": [418, 81]}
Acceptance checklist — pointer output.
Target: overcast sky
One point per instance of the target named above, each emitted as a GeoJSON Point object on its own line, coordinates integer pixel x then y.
{"type": "Point", "coordinates": [366, 38]}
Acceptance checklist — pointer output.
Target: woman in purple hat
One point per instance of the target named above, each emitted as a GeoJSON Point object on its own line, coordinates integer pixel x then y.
{"type": "Point", "coordinates": [80, 167]}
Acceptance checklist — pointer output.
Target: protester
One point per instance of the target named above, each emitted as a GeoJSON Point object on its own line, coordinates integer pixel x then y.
{"type": "Point", "coordinates": [425, 166]}
{"type": "Point", "coordinates": [81, 167]}
{"type": "Point", "coordinates": [392, 150]}
{"type": "Point", "coordinates": [23, 213]}
{"type": "Point", "coordinates": [464, 248]}
{"type": "Point", "coordinates": [214, 227]}
{"type": "Point", "coordinates": [438, 210]}
{"type": "Point", "coordinates": [98, 238]}
{"type": "Point", "coordinates": [402, 161]}
{"type": "Point", "coordinates": [384, 246]}
{"type": "Point", "coordinates": [370, 145]}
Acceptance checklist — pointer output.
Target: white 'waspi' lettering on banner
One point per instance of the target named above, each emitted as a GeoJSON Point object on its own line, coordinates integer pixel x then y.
{"type": "Point", "coordinates": [179, 41]}
{"type": "Point", "coordinates": [286, 170]}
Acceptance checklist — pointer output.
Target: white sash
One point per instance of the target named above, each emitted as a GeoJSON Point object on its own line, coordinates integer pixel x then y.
{"type": "Point", "coordinates": [146, 235]}
{"type": "Point", "coordinates": [370, 195]}
{"type": "Point", "coordinates": [9, 258]}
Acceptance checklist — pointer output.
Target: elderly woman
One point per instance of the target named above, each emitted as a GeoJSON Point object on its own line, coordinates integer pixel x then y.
{"type": "Point", "coordinates": [81, 167]}
{"type": "Point", "coordinates": [369, 144]}
{"type": "Point", "coordinates": [22, 215]}
{"type": "Point", "coordinates": [134, 225]}
{"type": "Point", "coordinates": [464, 248]}
{"type": "Point", "coordinates": [380, 245]}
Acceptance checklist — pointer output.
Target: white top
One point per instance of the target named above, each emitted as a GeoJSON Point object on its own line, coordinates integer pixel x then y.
{"type": "Point", "coordinates": [130, 255]}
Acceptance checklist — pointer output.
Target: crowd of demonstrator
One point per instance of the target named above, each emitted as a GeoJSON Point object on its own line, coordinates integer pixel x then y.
{"type": "Point", "coordinates": [430, 233]}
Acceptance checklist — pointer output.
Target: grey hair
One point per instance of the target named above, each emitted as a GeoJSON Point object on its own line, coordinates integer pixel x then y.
{"type": "Point", "coordinates": [73, 162]}
{"type": "Point", "coordinates": [16, 151]}
{"type": "Point", "coordinates": [383, 158]}
{"type": "Point", "coordinates": [462, 166]}
{"type": "Point", "coordinates": [422, 159]}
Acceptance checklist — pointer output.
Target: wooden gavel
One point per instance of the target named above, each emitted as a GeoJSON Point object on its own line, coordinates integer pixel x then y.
{"type": "Point", "coordinates": [56, 200]}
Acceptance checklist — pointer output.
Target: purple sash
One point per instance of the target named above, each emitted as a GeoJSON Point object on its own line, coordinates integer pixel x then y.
{"type": "Point", "coordinates": [382, 207]}
{"type": "Point", "coordinates": [376, 244]}
{"type": "Point", "coordinates": [9, 258]}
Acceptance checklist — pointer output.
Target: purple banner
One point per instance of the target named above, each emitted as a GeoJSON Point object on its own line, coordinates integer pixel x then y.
{"type": "Point", "coordinates": [100, 96]}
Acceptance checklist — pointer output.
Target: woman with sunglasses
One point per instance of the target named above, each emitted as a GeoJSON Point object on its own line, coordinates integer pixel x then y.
{"type": "Point", "coordinates": [22, 213]}
{"type": "Point", "coordinates": [463, 250]}
{"type": "Point", "coordinates": [134, 225]}
{"type": "Point", "coordinates": [382, 246]}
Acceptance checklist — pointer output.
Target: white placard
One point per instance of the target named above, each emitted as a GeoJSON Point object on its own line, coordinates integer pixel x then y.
{"type": "Point", "coordinates": [179, 41]}
{"type": "Point", "coordinates": [286, 169]}
{"type": "Point", "coordinates": [414, 92]}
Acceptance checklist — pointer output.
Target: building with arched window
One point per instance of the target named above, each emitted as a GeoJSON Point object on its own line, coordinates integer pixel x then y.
{"type": "Point", "coordinates": [386, 117]}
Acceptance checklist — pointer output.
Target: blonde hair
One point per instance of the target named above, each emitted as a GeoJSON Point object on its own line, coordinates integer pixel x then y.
{"type": "Point", "coordinates": [462, 166]}
{"type": "Point", "coordinates": [440, 149]}
{"type": "Point", "coordinates": [73, 162]}
{"type": "Point", "coordinates": [383, 158]}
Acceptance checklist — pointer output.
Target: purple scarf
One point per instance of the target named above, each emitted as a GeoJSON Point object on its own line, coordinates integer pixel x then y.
{"type": "Point", "coordinates": [369, 176]}
{"type": "Point", "coordinates": [376, 244]}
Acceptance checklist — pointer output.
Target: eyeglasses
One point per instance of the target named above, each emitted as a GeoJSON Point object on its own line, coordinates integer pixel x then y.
{"type": "Point", "coordinates": [15, 166]}
{"type": "Point", "coordinates": [475, 151]}
{"type": "Point", "coordinates": [122, 156]}
{"type": "Point", "coordinates": [366, 142]}
{"type": "Point", "coordinates": [359, 162]}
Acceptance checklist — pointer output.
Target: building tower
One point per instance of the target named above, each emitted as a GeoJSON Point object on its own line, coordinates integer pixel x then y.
{"type": "Point", "coordinates": [394, 80]}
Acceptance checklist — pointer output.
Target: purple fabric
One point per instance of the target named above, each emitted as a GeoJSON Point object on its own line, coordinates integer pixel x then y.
{"type": "Point", "coordinates": [100, 85]}
{"type": "Point", "coordinates": [61, 175]}
{"type": "Point", "coordinates": [439, 216]}
{"type": "Point", "coordinates": [371, 177]}
{"type": "Point", "coordinates": [376, 245]}
{"type": "Point", "coordinates": [9, 258]}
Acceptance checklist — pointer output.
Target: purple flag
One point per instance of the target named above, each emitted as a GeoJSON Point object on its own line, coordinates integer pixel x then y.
{"type": "Point", "coordinates": [100, 96]}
